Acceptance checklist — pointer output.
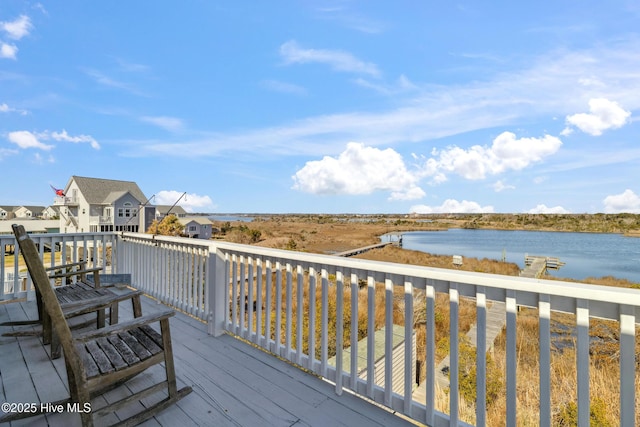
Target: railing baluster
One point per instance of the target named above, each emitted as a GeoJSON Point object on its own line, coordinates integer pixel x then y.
{"type": "Point", "coordinates": [250, 302]}
{"type": "Point", "coordinates": [299, 313]}
{"type": "Point", "coordinates": [627, 366]}
{"type": "Point", "coordinates": [339, 329]}
{"type": "Point", "coordinates": [408, 346]}
{"type": "Point", "coordinates": [511, 309]}
{"type": "Point", "coordinates": [268, 306]}
{"type": "Point", "coordinates": [371, 332]}
{"type": "Point", "coordinates": [324, 331]}
{"type": "Point", "coordinates": [234, 293]}
{"type": "Point", "coordinates": [278, 325]}
{"type": "Point", "coordinates": [259, 302]}
{"type": "Point", "coordinates": [582, 350]}
{"type": "Point", "coordinates": [312, 319]}
{"type": "Point", "coordinates": [289, 314]}
{"type": "Point", "coordinates": [354, 332]}
{"type": "Point", "coordinates": [544, 308]}
{"type": "Point", "coordinates": [242, 300]}
{"type": "Point", "coordinates": [454, 304]}
{"type": "Point", "coordinates": [481, 356]}
{"type": "Point", "coordinates": [430, 362]}
{"type": "Point", "coordinates": [388, 340]}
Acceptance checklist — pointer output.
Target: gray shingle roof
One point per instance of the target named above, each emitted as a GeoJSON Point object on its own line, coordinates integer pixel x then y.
{"type": "Point", "coordinates": [98, 190]}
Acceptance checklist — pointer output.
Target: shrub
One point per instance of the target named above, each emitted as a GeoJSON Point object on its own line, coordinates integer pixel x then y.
{"type": "Point", "coordinates": [568, 415]}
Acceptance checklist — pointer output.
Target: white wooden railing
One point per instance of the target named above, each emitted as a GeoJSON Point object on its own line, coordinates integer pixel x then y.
{"type": "Point", "coordinates": [266, 296]}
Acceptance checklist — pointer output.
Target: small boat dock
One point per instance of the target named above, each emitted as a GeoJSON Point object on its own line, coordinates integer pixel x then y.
{"type": "Point", "coordinates": [352, 252]}
{"type": "Point", "coordinates": [536, 266]}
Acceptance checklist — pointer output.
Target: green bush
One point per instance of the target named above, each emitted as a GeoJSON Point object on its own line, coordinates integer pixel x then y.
{"type": "Point", "coordinates": [568, 415]}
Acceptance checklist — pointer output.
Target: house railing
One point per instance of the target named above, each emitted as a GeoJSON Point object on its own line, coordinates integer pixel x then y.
{"type": "Point", "coordinates": [65, 201]}
{"type": "Point", "coordinates": [288, 302]}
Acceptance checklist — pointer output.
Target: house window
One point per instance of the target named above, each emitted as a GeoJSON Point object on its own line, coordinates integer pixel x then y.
{"type": "Point", "coordinates": [192, 228]}
{"type": "Point", "coordinates": [120, 212]}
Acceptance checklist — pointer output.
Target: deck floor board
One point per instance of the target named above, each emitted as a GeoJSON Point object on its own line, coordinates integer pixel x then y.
{"type": "Point", "coordinates": [234, 383]}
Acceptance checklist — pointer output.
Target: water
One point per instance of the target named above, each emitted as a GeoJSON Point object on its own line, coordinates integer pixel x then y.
{"type": "Point", "coordinates": [227, 217]}
{"type": "Point", "coordinates": [584, 254]}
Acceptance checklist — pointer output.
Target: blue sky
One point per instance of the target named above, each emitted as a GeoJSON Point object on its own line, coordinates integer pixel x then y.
{"type": "Point", "coordinates": [326, 106]}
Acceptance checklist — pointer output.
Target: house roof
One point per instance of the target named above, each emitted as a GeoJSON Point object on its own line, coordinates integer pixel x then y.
{"type": "Point", "coordinates": [177, 210]}
{"type": "Point", "coordinates": [36, 209]}
{"type": "Point", "coordinates": [197, 219]}
{"type": "Point", "coordinates": [8, 208]}
{"type": "Point", "coordinates": [98, 190]}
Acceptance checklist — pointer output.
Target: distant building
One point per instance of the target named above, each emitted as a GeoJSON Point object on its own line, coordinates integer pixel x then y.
{"type": "Point", "coordinates": [198, 227]}
{"type": "Point", "coordinates": [29, 211]}
{"type": "Point", "coordinates": [102, 205]}
{"type": "Point", "coordinates": [49, 213]}
{"type": "Point", "coordinates": [164, 210]}
{"type": "Point", "coordinates": [6, 212]}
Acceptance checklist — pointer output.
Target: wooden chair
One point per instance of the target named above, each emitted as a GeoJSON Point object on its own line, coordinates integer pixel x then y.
{"type": "Point", "coordinates": [99, 360]}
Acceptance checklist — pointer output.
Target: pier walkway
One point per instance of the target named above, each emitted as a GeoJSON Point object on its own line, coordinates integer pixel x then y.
{"type": "Point", "coordinates": [357, 251]}
{"type": "Point", "coordinates": [535, 267]}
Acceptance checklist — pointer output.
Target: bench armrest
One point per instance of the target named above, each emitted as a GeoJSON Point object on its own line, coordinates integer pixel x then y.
{"type": "Point", "coordinates": [72, 309]}
{"type": "Point", "coordinates": [75, 273]}
{"type": "Point", "coordinates": [124, 326]}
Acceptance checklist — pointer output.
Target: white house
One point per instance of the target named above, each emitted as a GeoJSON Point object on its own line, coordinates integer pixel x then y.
{"type": "Point", "coordinates": [197, 227]}
{"type": "Point", "coordinates": [100, 205]}
{"type": "Point", "coordinates": [164, 210]}
{"type": "Point", "coordinates": [6, 212]}
{"type": "Point", "coordinates": [29, 211]}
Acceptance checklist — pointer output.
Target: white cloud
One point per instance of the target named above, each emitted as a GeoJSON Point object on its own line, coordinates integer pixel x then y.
{"type": "Point", "coordinates": [169, 123]}
{"type": "Point", "coordinates": [402, 85]}
{"type": "Point", "coordinates": [108, 81]}
{"type": "Point", "coordinates": [604, 114]}
{"type": "Point", "coordinates": [6, 152]}
{"type": "Point", "coordinates": [543, 209]}
{"type": "Point", "coordinates": [506, 153]}
{"type": "Point", "coordinates": [453, 206]}
{"type": "Point", "coordinates": [191, 202]}
{"type": "Point", "coordinates": [17, 29]}
{"type": "Point", "coordinates": [628, 201]}
{"type": "Point", "coordinates": [4, 108]}
{"type": "Point", "coordinates": [26, 139]}
{"type": "Point", "coordinates": [64, 136]}
{"type": "Point", "coordinates": [501, 186]}
{"type": "Point", "coordinates": [278, 86]}
{"type": "Point", "coordinates": [359, 170]}
{"type": "Point", "coordinates": [37, 158]}
{"type": "Point", "coordinates": [8, 51]}
{"type": "Point", "coordinates": [339, 60]}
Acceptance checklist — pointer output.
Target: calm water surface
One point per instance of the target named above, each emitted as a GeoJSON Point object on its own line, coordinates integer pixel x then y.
{"type": "Point", "coordinates": [585, 254]}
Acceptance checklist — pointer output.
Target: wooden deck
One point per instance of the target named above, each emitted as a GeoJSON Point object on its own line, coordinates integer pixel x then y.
{"type": "Point", "coordinates": [234, 383]}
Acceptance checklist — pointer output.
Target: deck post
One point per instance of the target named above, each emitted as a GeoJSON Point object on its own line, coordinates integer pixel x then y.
{"type": "Point", "coordinates": [215, 283]}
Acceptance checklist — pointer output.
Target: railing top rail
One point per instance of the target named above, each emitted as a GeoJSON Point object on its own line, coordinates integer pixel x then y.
{"type": "Point", "coordinates": [431, 275]}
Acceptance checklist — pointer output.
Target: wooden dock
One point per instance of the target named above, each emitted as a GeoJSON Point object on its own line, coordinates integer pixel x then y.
{"type": "Point", "coordinates": [536, 266]}
{"type": "Point", "coordinates": [357, 251]}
